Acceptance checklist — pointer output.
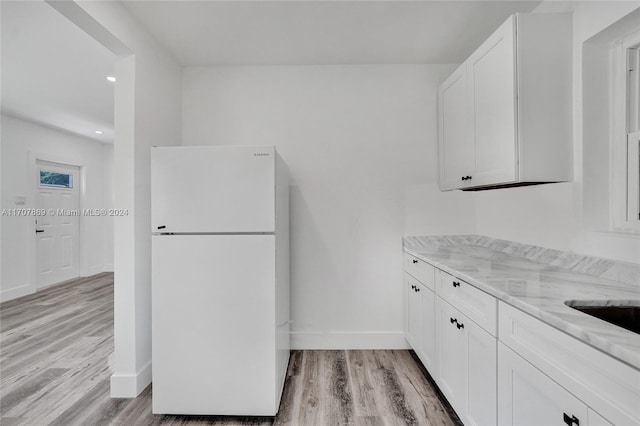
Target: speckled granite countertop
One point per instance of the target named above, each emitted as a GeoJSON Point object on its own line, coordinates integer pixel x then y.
{"type": "Point", "coordinates": [538, 281]}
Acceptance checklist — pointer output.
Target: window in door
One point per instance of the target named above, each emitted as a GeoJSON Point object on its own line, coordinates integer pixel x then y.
{"type": "Point", "coordinates": [56, 179]}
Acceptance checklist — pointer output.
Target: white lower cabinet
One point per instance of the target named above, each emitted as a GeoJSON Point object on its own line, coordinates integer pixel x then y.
{"type": "Point", "coordinates": [607, 390]}
{"type": "Point", "coordinates": [452, 353]}
{"type": "Point", "coordinates": [421, 330]}
{"type": "Point", "coordinates": [526, 396]}
{"type": "Point", "coordinates": [534, 375]}
{"type": "Point", "coordinates": [413, 331]}
{"type": "Point", "coordinates": [427, 352]}
{"type": "Point", "coordinates": [466, 365]}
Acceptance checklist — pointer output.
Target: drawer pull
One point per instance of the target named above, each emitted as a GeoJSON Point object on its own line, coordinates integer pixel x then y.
{"type": "Point", "coordinates": [456, 284]}
{"type": "Point", "coordinates": [417, 290]}
{"type": "Point", "coordinates": [459, 325]}
{"type": "Point", "coordinates": [413, 287]}
{"type": "Point", "coordinates": [414, 261]}
{"type": "Point", "coordinates": [453, 320]}
{"type": "Point", "coordinates": [571, 421]}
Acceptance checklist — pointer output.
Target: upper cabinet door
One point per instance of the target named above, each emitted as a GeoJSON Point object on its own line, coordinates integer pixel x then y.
{"type": "Point", "coordinates": [455, 146]}
{"type": "Point", "coordinates": [492, 109]}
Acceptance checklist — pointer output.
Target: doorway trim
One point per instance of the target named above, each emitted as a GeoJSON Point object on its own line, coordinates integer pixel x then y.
{"type": "Point", "coordinates": [32, 168]}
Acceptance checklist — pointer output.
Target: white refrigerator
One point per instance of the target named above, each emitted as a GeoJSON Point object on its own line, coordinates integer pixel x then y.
{"type": "Point", "coordinates": [220, 279]}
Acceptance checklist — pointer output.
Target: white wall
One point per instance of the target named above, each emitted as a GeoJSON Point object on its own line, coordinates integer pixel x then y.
{"type": "Point", "coordinates": [354, 138]}
{"type": "Point", "coordinates": [18, 139]}
{"type": "Point", "coordinates": [147, 112]}
{"type": "Point", "coordinates": [546, 215]}
{"type": "Point", "coordinates": [428, 211]}
{"type": "Point", "coordinates": [109, 202]}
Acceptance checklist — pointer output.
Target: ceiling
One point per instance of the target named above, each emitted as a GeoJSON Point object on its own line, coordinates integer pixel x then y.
{"type": "Point", "coordinates": [322, 32]}
{"type": "Point", "coordinates": [53, 73]}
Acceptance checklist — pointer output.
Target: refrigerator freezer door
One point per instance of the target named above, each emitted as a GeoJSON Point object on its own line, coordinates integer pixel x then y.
{"type": "Point", "coordinates": [213, 189]}
{"type": "Point", "coordinates": [214, 325]}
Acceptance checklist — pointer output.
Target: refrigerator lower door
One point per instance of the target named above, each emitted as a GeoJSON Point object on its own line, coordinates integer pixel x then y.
{"type": "Point", "coordinates": [214, 325]}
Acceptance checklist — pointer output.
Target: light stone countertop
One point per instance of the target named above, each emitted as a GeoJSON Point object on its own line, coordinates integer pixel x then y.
{"type": "Point", "coordinates": [538, 281]}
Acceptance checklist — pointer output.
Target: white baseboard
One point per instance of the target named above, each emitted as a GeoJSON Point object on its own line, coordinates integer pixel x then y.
{"type": "Point", "coordinates": [348, 340]}
{"type": "Point", "coordinates": [93, 270]}
{"type": "Point", "coordinates": [130, 385]}
{"type": "Point", "coordinates": [108, 267]}
{"type": "Point", "coordinates": [14, 293]}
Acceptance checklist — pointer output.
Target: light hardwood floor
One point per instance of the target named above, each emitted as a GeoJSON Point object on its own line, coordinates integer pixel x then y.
{"type": "Point", "coordinates": [56, 348]}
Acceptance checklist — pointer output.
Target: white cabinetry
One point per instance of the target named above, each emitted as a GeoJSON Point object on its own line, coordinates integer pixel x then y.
{"type": "Point", "coordinates": [543, 372]}
{"type": "Point", "coordinates": [413, 331]}
{"type": "Point", "coordinates": [534, 374]}
{"type": "Point", "coordinates": [492, 107]}
{"type": "Point", "coordinates": [455, 147]}
{"type": "Point", "coordinates": [420, 312]}
{"type": "Point", "coordinates": [528, 397]}
{"type": "Point", "coordinates": [451, 325]}
{"type": "Point", "coordinates": [505, 113]}
{"type": "Point", "coordinates": [467, 365]}
{"type": "Point", "coordinates": [453, 354]}
{"type": "Point", "coordinates": [428, 346]}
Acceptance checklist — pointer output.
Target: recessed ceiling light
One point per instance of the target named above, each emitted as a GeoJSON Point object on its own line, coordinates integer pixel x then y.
{"type": "Point", "coordinates": [111, 79]}
{"type": "Point", "coordinates": [98, 132]}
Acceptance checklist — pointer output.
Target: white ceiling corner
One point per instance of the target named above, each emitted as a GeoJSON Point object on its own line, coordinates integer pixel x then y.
{"type": "Point", "coordinates": [53, 73]}
{"type": "Point", "coordinates": [200, 33]}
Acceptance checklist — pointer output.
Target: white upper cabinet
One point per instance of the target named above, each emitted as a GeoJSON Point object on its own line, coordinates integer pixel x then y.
{"type": "Point", "coordinates": [455, 147]}
{"type": "Point", "coordinates": [492, 107]}
{"type": "Point", "coordinates": [505, 114]}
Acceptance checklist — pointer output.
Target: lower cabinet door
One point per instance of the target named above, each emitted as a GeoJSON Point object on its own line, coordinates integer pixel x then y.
{"type": "Point", "coordinates": [466, 365]}
{"type": "Point", "coordinates": [453, 368]}
{"type": "Point", "coordinates": [482, 380]}
{"type": "Point", "coordinates": [526, 396]}
{"type": "Point", "coordinates": [428, 329]}
{"type": "Point", "coordinates": [413, 312]}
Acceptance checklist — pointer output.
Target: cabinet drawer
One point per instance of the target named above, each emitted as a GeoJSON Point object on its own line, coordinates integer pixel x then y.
{"type": "Point", "coordinates": [605, 384]}
{"type": "Point", "coordinates": [479, 306]}
{"type": "Point", "coordinates": [420, 270]}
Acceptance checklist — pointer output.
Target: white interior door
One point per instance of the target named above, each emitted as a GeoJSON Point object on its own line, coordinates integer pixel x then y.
{"type": "Point", "coordinates": [57, 232]}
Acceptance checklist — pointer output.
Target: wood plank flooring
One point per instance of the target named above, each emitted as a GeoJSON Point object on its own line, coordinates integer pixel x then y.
{"type": "Point", "coordinates": [56, 347]}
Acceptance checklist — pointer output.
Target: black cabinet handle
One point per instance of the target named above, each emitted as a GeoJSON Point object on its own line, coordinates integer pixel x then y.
{"type": "Point", "coordinates": [459, 325]}
{"type": "Point", "coordinates": [453, 320]}
{"type": "Point", "coordinates": [415, 261]}
{"type": "Point", "coordinates": [417, 289]}
{"type": "Point", "coordinates": [161, 227]}
{"type": "Point", "coordinates": [570, 421]}
{"type": "Point", "coordinates": [456, 284]}
{"type": "Point", "coordinates": [39, 230]}
{"type": "Point", "coordinates": [463, 178]}
{"type": "Point", "coordinates": [413, 287]}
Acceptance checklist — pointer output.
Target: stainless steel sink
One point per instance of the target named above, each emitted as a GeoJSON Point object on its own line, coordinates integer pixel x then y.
{"type": "Point", "coordinates": [625, 315]}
